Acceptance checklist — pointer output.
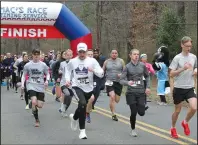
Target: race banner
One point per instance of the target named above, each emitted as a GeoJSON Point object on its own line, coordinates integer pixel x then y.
{"type": "Point", "coordinates": [27, 31]}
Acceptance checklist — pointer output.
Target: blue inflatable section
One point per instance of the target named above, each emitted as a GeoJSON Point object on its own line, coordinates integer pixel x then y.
{"type": "Point", "coordinates": [67, 22]}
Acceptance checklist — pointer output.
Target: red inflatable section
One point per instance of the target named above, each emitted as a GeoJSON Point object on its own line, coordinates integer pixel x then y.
{"type": "Point", "coordinates": [87, 39]}
{"type": "Point", "coordinates": [28, 31]}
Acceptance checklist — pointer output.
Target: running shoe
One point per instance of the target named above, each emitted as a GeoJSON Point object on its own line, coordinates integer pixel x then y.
{"type": "Point", "coordinates": [64, 114]}
{"type": "Point", "coordinates": [186, 128]}
{"type": "Point", "coordinates": [133, 133]}
{"type": "Point", "coordinates": [27, 107]}
{"type": "Point", "coordinates": [37, 123]}
{"type": "Point", "coordinates": [74, 123]}
{"type": "Point", "coordinates": [82, 134]}
{"type": "Point", "coordinates": [174, 133]}
{"type": "Point", "coordinates": [114, 117]}
{"type": "Point", "coordinates": [21, 97]}
{"type": "Point", "coordinates": [30, 105]}
{"type": "Point", "coordinates": [57, 99]}
{"type": "Point", "coordinates": [88, 118]}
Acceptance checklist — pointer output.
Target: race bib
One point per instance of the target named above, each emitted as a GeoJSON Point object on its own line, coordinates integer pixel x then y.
{"type": "Point", "coordinates": [108, 83]}
{"type": "Point", "coordinates": [94, 84]}
{"type": "Point", "coordinates": [36, 79]}
{"type": "Point", "coordinates": [135, 83]}
{"type": "Point", "coordinates": [84, 80]}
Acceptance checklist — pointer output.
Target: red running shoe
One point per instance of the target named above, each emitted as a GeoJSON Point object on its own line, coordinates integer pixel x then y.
{"type": "Point", "coordinates": [186, 128]}
{"type": "Point", "coordinates": [174, 133]}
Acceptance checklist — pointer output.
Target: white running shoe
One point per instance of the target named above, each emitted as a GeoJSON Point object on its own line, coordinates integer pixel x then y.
{"type": "Point", "coordinates": [27, 107]}
{"type": "Point", "coordinates": [133, 133]}
{"type": "Point", "coordinates": [165, 104]}
{"type": "Point", "coordinates": [62, 108]}
{"type": "Point", "coordinates": [64, 114]}
{"type": "Point", "coordinates": [73, 122]}
{"type": "Point", "coordinates": [160, 103]}
{"type": "Point", "coordinates": [82, 134]}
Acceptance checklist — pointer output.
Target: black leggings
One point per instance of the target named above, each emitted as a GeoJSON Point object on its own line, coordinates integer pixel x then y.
{"type": "Point", "coordinates": [26, 95]}
{"type": "Point", "coordinates": [163, 98]}
{"type": "Point", "coordinates": [135, 108]}
{"type": "Point", "coordinates": [145, 89]}
{"type": "Point", "coordinates": [80, 112]}
{"type": "Point", "coordinates": [14, 81]}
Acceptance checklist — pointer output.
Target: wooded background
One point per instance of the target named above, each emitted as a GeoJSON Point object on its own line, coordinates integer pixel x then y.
{"type": "Point", "coordinates": [123, 26]}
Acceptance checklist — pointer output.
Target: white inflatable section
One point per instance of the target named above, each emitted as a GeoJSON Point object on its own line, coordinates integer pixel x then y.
{"type": "Point", "coordinates": [29, 13]}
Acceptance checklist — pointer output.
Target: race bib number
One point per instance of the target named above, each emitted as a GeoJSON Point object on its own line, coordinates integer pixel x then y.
{"type": "Point", "coordinates": [36, 79]}
{"type": "Point", "coordinates": [135, 83]}
{"type": "Point", "coordinates": [94, 84]}
{"type": "Point", "coordinates": [108, 83]}
{"type": "Point", "coordinates": [84, 80]}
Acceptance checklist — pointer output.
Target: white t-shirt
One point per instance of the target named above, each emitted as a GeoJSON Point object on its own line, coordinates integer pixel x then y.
{"type": "Point", "coordinates": [82, 77]}
{"type": "Point", "coordinates": [19, 60]}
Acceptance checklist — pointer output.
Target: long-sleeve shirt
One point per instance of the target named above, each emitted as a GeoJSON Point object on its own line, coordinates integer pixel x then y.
{"type": "Point", "coordinates": [150, 68]}
{"type": "Point", "coordinates": [81, 76]}
{"type": "Point", "coordinates": [135, 73]}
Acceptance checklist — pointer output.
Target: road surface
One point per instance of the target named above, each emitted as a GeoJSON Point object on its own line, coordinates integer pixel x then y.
{"type": "Point", "coordinates": [17, 124]}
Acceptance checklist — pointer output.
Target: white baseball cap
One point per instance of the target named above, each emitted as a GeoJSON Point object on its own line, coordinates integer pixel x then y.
{"type": "Point", "coordinates": [82, 46]}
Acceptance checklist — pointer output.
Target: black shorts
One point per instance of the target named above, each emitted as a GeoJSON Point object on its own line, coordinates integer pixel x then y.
{"type": "Point", "coordinates": [135, 98]}
{"type": "Point", "coordinates": [116, 87]}
{"type": "Point", "coordinates": [39, 95]}
{"type": "Point", "coordinates": [70, 91]}
{"type": "Point", "coordinates": [179, 95]}
{"type": "Point", "coordinates": [82, 96]}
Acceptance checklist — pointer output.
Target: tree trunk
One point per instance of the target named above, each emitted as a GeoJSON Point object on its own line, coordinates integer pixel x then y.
{"type": "Point", "coordinates": [16, 41]}
{"type": "Point", "coordinates": [97, 26]}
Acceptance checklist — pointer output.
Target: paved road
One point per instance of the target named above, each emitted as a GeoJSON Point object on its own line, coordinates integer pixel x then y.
{"type": "Point", "coordinates": [17, 124]}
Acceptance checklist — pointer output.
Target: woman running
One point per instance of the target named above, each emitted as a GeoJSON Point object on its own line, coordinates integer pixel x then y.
{"type": "Point", "coordinates": [20, 71]}
{"type": "Point", "coordinates": [57, 76]}
{"type": "Point", "coordinates": [14, 75]}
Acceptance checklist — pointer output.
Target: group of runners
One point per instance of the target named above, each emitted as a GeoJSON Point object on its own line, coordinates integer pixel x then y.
{"type": "Point", "coordinates": [84, 76]}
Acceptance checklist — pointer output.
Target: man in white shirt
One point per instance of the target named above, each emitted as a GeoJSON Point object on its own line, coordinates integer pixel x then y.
{"type": "Point", "coordinates": [82, 69]}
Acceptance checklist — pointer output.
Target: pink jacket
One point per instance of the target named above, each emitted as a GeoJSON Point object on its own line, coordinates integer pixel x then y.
{"type": "Point", "coordinates": [26, 77]}
{"type": "Point", "coordinates": [150, 68]}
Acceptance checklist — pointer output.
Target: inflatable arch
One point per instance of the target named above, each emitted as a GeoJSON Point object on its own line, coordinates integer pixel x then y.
{"type": "Point", "coordinates": [43, 20]}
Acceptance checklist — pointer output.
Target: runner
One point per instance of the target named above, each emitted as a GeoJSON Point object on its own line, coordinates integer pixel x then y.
{"type": "Point", "coordinates": [2, 69]}
{"type": "Point", "coordinates": [132, 77]}
{"type": "Point", "coordinates": [20, 67]}
{"type": "Point", "coordinates": [14, 75]}
{"type": "Point", "coordinates": [113, 68]}
{"type": "Point", "coordinates": [90, 53]}
{"type": "Point", "coordinates": [35, 84]}
{"type": "Point", "coordinates": [7, 69]}
{"type": "Point", "coordinates": [57, 76]}
{"type": "Point", "coordinates": [67, 93]}
{"type": "Point", "coordinates": [83, 69]}
{"type": "Point", "coordinates": [182, 68]}
{"type": "Point", "coordinates": [100, 82]}
{"type": "Point", "coordinates": [92, 98]}
{"type": "Point", "coordinates": [151, 71]}
{"type": "Point", "coordinates": [20, 59]}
